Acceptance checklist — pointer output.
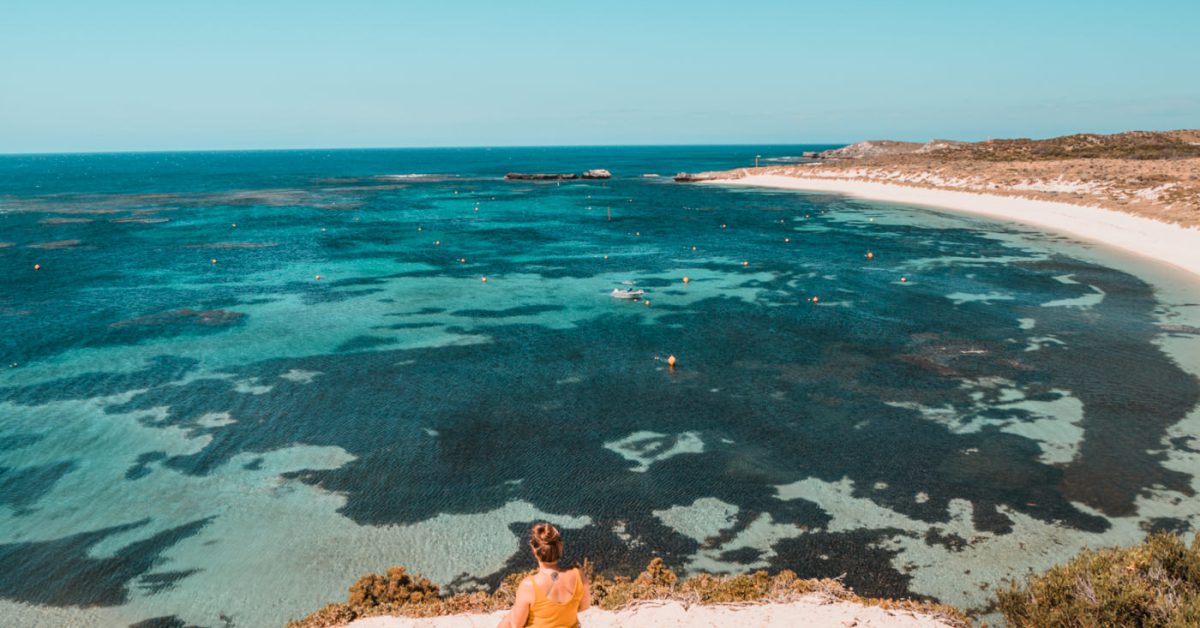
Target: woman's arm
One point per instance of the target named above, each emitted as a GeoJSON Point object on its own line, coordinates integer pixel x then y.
{"type": "Point", "coordinates": [520, 610]}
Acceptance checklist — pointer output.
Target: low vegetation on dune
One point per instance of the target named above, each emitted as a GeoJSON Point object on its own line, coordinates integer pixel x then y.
{"type": "Point", "coordinates": [1154, 584]}
{"type": "Point", "coordinates": [1139, 145]}
{"type": "Point", "coordinates": [1131, 145]}
{"type": "Point", "coordinates": [400, 593]}
{"type": "Point", "coordinates": [1154, 174]}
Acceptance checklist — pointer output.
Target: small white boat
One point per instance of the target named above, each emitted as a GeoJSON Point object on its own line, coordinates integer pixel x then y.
{"type": "Point", "coordinates": [618, 293]}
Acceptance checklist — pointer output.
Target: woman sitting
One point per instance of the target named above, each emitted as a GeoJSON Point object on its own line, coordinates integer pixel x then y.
{"type": "Point", "coordinates": [552, 597]}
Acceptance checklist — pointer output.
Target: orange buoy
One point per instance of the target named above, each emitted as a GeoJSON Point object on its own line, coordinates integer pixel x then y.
{"type": "Point", "coordinates": [816, 300]}
{"type": "Point", "coordinates": [671, 362]}
{"type": "Point", "coordinates": [647, 301]}
{"type": "Point", "coordinates": [462, 260]}
{"type": "Point", "coordinates": [37, 266]}
{"type": "Point", "coordinates": [484, 280]}
{"type": "Point", "coordinates": [744, 264]}
{"type": "Point", "coordinates": [685, 279]}
{"type": "Point", "coordinates": [870, 255]}
{"type": "Point", "coordinates": [904, 280]}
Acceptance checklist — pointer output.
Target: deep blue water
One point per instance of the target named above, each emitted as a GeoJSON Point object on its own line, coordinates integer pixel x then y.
{"type": "Point", "coordinates": [187, 412]}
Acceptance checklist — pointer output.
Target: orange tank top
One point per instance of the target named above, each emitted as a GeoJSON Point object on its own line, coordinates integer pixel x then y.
{"type": "Point", "coordinates": [545, 613]}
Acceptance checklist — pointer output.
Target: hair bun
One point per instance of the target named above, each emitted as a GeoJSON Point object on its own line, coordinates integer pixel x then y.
{"type": "Point", "coordinates": [546, 542]}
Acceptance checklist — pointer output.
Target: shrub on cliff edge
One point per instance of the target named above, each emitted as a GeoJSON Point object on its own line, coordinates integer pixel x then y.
{"type": "Point", "coordinates": [1156, 583]}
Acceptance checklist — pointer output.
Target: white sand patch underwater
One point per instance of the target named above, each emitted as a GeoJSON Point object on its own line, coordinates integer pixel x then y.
{"type": "Point", "coordinates": [964, 575]}
{"type": "Point", "coordinates": [645, 448]}
{"type": "Point", "coordinates": [704, 518]}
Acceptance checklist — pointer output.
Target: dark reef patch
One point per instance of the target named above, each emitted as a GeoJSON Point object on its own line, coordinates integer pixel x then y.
{"type": "Point", "coordinates": [60, 572]}
{"type": "Point", "coordinates": [22, 488]}
{"type": "Point", "coordinates": [520, 310]}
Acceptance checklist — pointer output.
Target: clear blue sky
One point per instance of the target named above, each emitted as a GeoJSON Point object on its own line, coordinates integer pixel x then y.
{"type": "Point", "coordinates": [157, 75]}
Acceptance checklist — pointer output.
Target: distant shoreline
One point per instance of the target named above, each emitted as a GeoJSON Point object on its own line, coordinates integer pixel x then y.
{"type": "Point", "coordinates": [1162, 242]}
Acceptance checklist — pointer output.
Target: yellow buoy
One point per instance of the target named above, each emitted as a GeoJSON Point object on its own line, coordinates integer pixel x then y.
{"type": "Point", "coordinates": [787, 240]}
{"type": "Point", "coordinates": [685, 279]}
{"type": "Point", "coordinates": [233, 226]}
{"type": "Point", "coordinates": [214, 260]}
{"type": "Point", "coordinates": [437, 242]}
{"type": "Point", "coordinates": [637, 233]}
{"type": "Point", "coordinates": [605, 257]}
{"type": "Point", "coordinates": [318, 278]}
{"type": "Point", "coordinates": [671, 361]}
{"type": "Point", "coordinates": [322, 229]}
{"type": "Point", "coordinates": [722, 225]}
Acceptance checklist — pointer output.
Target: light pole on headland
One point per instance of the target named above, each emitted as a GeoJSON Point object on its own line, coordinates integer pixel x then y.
{"type": "Point", "coordinates": [756, 160]}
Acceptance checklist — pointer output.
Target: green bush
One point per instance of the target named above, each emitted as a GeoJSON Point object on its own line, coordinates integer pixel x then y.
{"type": "Point", "coordinates": [1156, 583]}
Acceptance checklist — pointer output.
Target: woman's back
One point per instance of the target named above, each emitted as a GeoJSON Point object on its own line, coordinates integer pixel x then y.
{"type": "Point", "coordinates": [555, 600]}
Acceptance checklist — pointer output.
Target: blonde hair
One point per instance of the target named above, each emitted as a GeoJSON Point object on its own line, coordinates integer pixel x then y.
{"type": "Point", "coordinates": [546, 543]}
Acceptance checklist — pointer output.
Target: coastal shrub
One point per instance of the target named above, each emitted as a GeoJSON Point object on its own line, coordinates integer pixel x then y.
{"type": "Point", "coordinates": [394, 588]}
{"type": "Point", "coordinates": [1155, 583]}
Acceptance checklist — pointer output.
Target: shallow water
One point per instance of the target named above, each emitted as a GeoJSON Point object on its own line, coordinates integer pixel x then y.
{"type": "Point", "coordinates": [193, 425]}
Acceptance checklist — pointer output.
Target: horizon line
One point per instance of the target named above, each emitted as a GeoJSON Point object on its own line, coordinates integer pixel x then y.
{"type": "Point", "coordinates": [348, 148]}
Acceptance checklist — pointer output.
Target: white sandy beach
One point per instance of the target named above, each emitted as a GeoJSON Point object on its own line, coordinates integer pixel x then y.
{"type": "Point", "coordinates": [1166, 243]}
{"type": "Point", "coordinates": [814, 610]}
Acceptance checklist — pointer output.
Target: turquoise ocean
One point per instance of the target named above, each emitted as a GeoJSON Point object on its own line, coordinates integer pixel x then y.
{"type": "Point", "coordinates": [232, 383]}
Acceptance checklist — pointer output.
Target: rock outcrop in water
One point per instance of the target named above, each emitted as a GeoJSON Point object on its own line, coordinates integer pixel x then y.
{"type": "Point", "coordinates": [540, 176]}
{"type": "Point", "coordinates": [685, 177]}
{"type": "Point", "coordinates": [595, 173]}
